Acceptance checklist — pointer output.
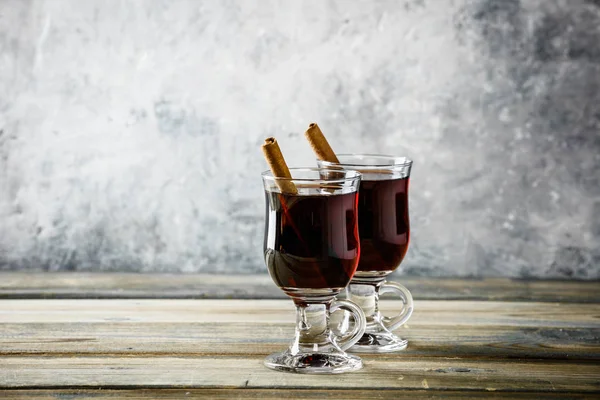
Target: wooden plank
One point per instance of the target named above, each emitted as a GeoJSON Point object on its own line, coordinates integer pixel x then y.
{"type": "Point", "coordinates": [248, 372]}
{"type": "Point", "coordinates": [275, 394]}
{"type": "Point", "coordinates": [462, 347]}
{"type": "Point", "coordinates": [239, 339]}
{"type": "Point", "coordinates": [254, 327]}
{"type": "Point", "coordinates": [128, 285]}
{"type": "Point", "coordinates": [444, 313]}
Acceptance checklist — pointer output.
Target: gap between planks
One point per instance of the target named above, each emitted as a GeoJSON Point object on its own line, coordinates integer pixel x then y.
{"type": "Point", "coordinates": [276, 394]}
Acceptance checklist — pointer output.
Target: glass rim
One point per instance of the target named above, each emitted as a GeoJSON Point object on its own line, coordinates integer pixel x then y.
{"type": "Point", "coordinates": [350, 175]}
{"type": "Point", "coordinates": [398, 161]}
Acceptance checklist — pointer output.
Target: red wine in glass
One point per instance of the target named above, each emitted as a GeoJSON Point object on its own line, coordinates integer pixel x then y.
{"type": "Point", "coordinates": [311, 249]}
{"type": "Point", "coordinates": [384, 235]}
{"type": "Point", "coordinates": [303, 245]}
{"type": "Point", "coordinates": [383, 223]}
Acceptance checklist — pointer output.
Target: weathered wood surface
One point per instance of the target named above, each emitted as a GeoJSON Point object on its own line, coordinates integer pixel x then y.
{"type": "Point", "coordinates": [456, 347]}
{"type": "Point", "coordinates": [255, 327]}
{"type": "Point", "coordinates": [248, 372]}
{"type": "Point", "coordinates": [213, 348]}
{"type": "Point", "coordinates": [126, 285]}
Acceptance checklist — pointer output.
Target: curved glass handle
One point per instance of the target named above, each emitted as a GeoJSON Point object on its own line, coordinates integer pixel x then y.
{"type": "Point", "coordinates": [360, 323]}
{"type": "Point", "coordinates": [392, 323]}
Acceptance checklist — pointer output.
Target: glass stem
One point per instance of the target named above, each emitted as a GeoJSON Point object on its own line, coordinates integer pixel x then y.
{"type": "Point", "coordinates": [312, 327]}
{"type": "Point", "coordinates": [366, 295]}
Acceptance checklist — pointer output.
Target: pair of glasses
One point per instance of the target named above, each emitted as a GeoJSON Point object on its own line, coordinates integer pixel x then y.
{"type": "Point", "coordinates": [346, 225]}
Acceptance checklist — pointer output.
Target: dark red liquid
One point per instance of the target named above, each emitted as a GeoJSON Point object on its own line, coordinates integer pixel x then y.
{"type": "Point", "coordinates": [311, 241]}
{"type": "Point", "coordinates": [383, 224]}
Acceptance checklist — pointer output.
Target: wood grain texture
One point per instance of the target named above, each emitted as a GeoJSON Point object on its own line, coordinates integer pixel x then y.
{"type": "Point", "coordinates": [127, 285]}
{"type": "Point", "coordinates": [444, 313]}
{"type": "Point", "coordinates": [239, 339]}
{"type": "Point", "coordinates": [214, 348]}
{"type": "Point", "coordinates": [248, 372]}
{"type": "Point", "coordinates": [253, 327]}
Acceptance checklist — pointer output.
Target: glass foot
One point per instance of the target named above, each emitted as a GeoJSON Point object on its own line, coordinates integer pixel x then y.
{"type": "Point", "coordinates": [313, 363]}
{"type": "Point", "coordinates": [379, 342]}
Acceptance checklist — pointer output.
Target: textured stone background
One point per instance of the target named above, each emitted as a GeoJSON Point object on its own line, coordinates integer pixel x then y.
{"type": "Point", "coordinates": [130, 130]}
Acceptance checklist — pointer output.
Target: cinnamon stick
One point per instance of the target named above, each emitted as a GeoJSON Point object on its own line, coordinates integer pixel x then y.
{"type": "Point", "coordinates": [319, 144]}
{"type": "Point", "coordinates": [278, 166]}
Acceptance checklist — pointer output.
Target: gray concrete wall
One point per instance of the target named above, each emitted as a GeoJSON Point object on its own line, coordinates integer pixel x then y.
{"type": "Point", "coordinates": [130, 130]}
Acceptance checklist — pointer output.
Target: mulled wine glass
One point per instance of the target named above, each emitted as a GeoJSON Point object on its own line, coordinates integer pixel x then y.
{"type": "Point", "coordinates": [384, 235]}
{"type": "Point", "coordinates": [312, 249]}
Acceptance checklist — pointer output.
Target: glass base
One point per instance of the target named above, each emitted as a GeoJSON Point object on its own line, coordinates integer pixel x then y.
{"type": "Point", "coordinates": [379, 342]}
{"type": "Point", "coordinates": [313, 362]}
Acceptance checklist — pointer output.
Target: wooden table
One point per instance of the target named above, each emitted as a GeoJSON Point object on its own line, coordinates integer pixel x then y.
{"type": "Point", "coordinates": [74, 335]}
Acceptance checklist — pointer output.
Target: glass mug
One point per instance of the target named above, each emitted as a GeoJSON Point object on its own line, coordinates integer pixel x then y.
{"type": "Point", "coordinates": [311, 249]}
{"type": "Point", "coordinates": [384, 235]}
